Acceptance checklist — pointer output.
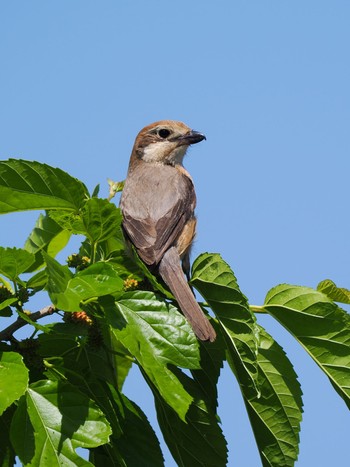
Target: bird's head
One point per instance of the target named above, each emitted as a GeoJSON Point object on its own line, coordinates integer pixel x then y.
{"type": "Point", "coordinates": [164, 142]}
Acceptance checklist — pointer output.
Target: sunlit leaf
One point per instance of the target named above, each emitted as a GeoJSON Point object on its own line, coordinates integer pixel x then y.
{"type": "Point", "coordinates": [319, 325]}
{"type": "Point", "coordinates": [13, 378]}
{"type": "Point", "coordinates": [71, 221]}
{"type": "Point", "coordinates": [214, 279]}
{"type": "Point", "coordinates": [14, 261]}
{"type": "Point", "coordinates": [98, 220]}
{"type": "Point", "coordinates": [276, 414]}
{"type": "Point", "coordinates": [67, 292]}
{"type": "Point", "coordinates": [58, 277]}
{"type": "Point", "coordinates": [156, 334]}
{"type": "Point", "coordinates": [337, 294]}
{"type": "Point", "coordinates": [47, 236]}
{"type": "Point", "coordinates": [4, 306]}
{"type": "Point", "coordinates": [27, 185]}
{"type": "Point", "coordinates": [61, 420]}
{"type": "Point", "coordinates": [101, 219]}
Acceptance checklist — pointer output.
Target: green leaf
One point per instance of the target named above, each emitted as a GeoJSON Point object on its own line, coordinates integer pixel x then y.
{"type": "Point", "coordinates": [101, 219]}
{"type": "Point", "coordinates": [121, 262]}
{"type": "Point", "coordinates": [216, 282]}
{"type": "Point", "coordinates": [38, 281]}
{"type": "Point", "coordinates": [156, 334]}
{"type": "Point", "coordinates": [47, 236]}
{"type": "Point", "coordinates": [70, 221]}
{"type": "Point", "coordinates": [26, 185]}
{"type": "Point", "coordinates": [98, 219]}
{"type": "Point", "coordinates": [199, 440]}
{"type": "Point", "coordinates": [97, 280]}
{"type": "Point", "coordinates": [58, 277]}
{"type": "Point", "coordinates": [136, 444]}
{"type": "Point", "coordinates": [69, 355]}
{"type": "Point", "coordinates": [67, 292]}
{"type": "Point", "coordinates": [90, 370]}
{"type": "Point", "coordinates": [62, 339]}
{"type": "Point", "coordinates": [275, 415]}
{"type": "Point", "coordinates": [212, 356]}
{"type": "Point", "coordinates": [61, 420]}
{"type": "Point", "coordinates": [337, 294]}
{"type": "Point", "coordinates": [7, 453]}
{"type": "Point", "coordinates": [5, 304]}
{"type": "Point", "coordinates": [322, 328]}
{"type": "Point", "coordinates": [96, 191]}
{"type": "Point", "coordinates": [22, 433]}
{"type": "Point", "coordinates": [14, 261]}
{"type": "Point", "coordinates": [13, 378]}
{"type": "Point", "coordinates": [122, 361]}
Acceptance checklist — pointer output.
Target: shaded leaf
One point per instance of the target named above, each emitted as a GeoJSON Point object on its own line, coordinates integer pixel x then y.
{"type": "Point", "coordinates": [26, 185]}
{"type": "Point", "coordinates": [67, 292]}
{"type": "Point", "coordinates": [47, 236]}
{"type": "Point", "coordinates": [38, 281]}
{"type": "Point", "coordinates": [276, 415]}
{"type": "Point", "coordinates": [212, 356]}
{"type": "Point", "coordinates": [136, 444]}
{"type": "Point", "coordinates": [156, 334]}
{"type": "Point", "coordinates": [7, 453]}
{"type": "Point", "coordinates": [337, 294]}
{"type": "Point", "coordinates": [199, 440]}
{"type": "Point", "coordinates": [122, 360]}
{"type": "Point", "coordinates": [214, 279]}
{"type": "Point", "coordinates": [72, 357]}
{"type": "Point", "coordinates": [13, 378]}
{"type": "Point", "coordinates": [22, 433]}
{"type": "Point", "coordinates": [62, 419]}
{"type": "Point", "coordinates": [14, 261]}
{"type": "Point", "coordinates": [319, 325]}
{"type": "Point", "coordinates": [133, 441]}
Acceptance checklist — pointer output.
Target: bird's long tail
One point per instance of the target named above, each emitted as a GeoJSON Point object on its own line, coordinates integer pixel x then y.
{"type": "Point", "coordinates": [171, 271]}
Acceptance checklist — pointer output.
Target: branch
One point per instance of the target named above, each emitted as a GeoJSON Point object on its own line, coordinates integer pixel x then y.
{"type": "Point", "coordinates": [7, 333]}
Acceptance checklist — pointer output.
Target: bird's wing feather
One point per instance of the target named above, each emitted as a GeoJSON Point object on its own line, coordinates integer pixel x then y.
{"type": "Point", "coordinates": [154, 213]}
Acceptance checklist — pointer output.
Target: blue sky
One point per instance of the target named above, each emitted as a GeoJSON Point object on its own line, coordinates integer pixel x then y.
{"type": "Point", "coordinates": [267, 82]}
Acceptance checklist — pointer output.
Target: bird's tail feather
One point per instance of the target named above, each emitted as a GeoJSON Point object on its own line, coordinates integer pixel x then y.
{"type": "Point", "coordinates": [171, 271]}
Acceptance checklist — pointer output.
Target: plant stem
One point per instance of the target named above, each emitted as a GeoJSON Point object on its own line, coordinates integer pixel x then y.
{"type": "Point", "coordinates": [257, 309]}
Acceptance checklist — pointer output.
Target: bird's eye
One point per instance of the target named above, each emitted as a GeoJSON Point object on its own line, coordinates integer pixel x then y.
{"type": "Point", "coordinates": [163, 133]}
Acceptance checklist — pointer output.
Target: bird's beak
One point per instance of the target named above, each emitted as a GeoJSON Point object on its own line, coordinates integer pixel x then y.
{"type": "Point", "coordinates": [192, 137]}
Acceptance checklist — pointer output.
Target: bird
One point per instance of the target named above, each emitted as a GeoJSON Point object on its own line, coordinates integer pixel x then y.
{"type": "Point", "coordinates": [157, 204]}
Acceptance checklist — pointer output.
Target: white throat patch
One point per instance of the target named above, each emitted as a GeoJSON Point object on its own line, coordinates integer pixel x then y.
{"type": "Point", "coordinates": [161, 151]}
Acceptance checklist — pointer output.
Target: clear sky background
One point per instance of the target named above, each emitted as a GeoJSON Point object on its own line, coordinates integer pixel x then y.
{"type": "Point", "coordinates": [267, 81]}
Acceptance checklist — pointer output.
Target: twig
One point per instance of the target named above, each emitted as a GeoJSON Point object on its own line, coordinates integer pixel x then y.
{"type": "Point", "coordinates": [7, 333]}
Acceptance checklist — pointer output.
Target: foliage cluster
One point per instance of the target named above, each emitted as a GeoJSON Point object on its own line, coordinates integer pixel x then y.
{"type": "Point", "coordinates": [62, 387]}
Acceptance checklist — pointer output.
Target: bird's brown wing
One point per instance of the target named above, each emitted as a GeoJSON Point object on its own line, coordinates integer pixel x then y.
{"type": "Point", "coordinates": [156, 203]}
